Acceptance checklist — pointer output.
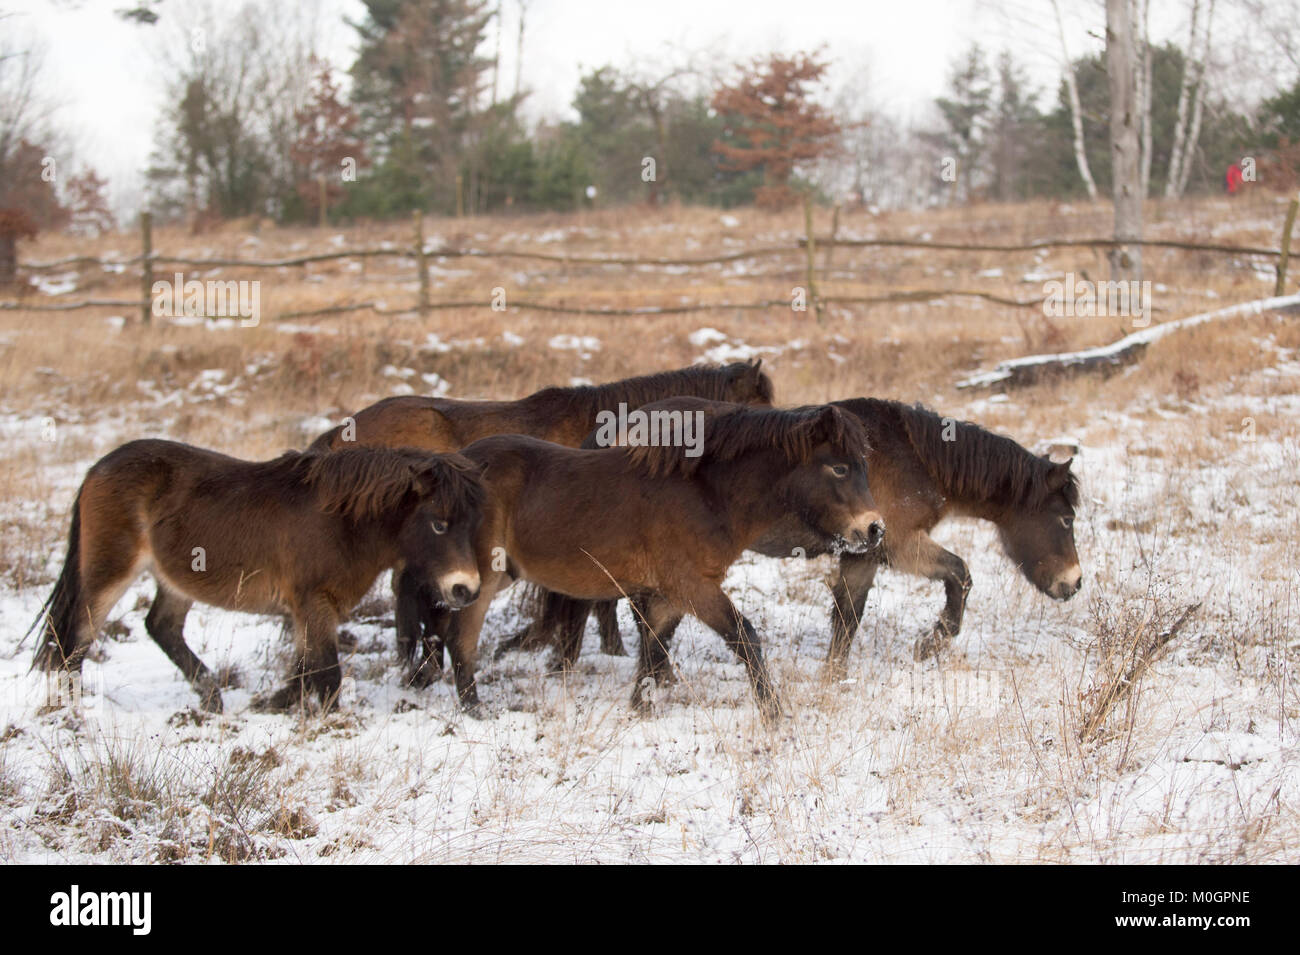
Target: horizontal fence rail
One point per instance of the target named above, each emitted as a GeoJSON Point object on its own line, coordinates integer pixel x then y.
{"type": "Point", "coordinates": [420, 253]}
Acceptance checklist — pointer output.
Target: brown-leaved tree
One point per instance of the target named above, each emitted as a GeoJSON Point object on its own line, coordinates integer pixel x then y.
{"type": "Point", "coordinates": [772, 123]}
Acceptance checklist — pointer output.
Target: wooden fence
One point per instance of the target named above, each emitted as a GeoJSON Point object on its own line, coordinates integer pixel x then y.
{"type": "Point", "coordinates": [805, 245]}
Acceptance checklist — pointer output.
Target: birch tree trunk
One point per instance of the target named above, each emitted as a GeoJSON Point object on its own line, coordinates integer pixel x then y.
{"type": "Point", "coordinates": [519, 48]}
{"type": "Point", "coordinates": [1125, 259]}
{"type": "Point", "coordinates": [1146, 96]}
{"type": "Point", "coordinates": [1076, 110]}
{"type": "Point", "coordinates": [1194, 134]}
{"type": "Point", "coordinates": [496, 54]}
{"type": "Point", "coordinates": [1184, 96]}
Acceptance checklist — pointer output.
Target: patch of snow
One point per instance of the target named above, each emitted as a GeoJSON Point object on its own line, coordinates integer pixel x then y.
{"type": "Point", "coordinates": [705, 336]}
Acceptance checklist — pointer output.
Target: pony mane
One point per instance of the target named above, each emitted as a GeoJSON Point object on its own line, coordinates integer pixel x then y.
{"type": "Point", "coordinates": [791, 432]}
{"type": "Point", "coordinates": [367, 483]}
{"type": "Point", "coordinates": [978, 464]}
{"type": "Point", "coordinates": [697, 381]}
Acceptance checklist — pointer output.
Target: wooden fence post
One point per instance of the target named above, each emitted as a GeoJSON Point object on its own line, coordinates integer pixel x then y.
{"type": "Point", "coordinates": [835, 229]}
{"type": "Point", "coordinates": [146, 268]}
{"type": "Point", "coordinates": [420, 261]}
{"type": "Point", "coordinates": [813, 300]}
{"type": "Point", "coordinates": [1280, 288]}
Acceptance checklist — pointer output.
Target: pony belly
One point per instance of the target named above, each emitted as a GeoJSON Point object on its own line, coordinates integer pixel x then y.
{"type": "Point", "coordinates": [582, 570]}
{"type": "Point", "coordinates": [244, 591]}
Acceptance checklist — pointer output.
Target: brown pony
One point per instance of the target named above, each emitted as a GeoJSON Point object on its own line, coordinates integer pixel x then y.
{"type": "Point", "coordinates": [305, 534]}
{"type": "Point", "coordinates": [924, 468]}
{"type": "Point", "coordinates": [559, 415]}
{"type": "Point", "coordinates": [662, 526]}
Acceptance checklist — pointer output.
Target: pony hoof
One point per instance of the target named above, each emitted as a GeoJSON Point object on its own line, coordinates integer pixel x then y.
{"type": "Point", "coordinates": [772, 713]}
{"type": "Point", "coordinates": [423, 676]}
{"type": "Point", "coordinates": [558, 665]}
{"type": "Point", "coordinates": [834, 673]}
{"type": "Point", "coordinates": [281, 700]}
{"type": "Point", "coordinates": [929, 646]}
{"type": "Point", "coordinates": [475, 711]}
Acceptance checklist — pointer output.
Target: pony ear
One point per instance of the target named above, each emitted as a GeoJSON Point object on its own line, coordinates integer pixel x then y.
{"type": "Point", "coordinates": [424, 479]}
{"type": "Point", "coordinates": [1059, 474]}
{"type": "Point", "coordinates": [827, 425]}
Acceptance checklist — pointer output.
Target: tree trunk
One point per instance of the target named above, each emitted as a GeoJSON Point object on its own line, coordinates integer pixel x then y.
{"type": "Point", "coordinates": [1125, 260]}
{"type": "Point", "coordinates": [1145, 97]}
{"type": "Point", "coordinates": [1184, 97]}
{"type": "Point", "coordinates": [8, 259]}
{"type": "Point", "coordinates": [1194, 134]}
{"type": "Point", "coordinates": [496, 54]}
{"type": "Point", "coordinates": [519, 50]}
{"type": "Point", "coordinates": [1076, 110]}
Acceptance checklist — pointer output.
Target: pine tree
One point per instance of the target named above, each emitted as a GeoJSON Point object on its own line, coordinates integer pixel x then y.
{"type": "Point", "coordinates": [966, 114]}
{"type": "Point", "coordinates": [419, 84]}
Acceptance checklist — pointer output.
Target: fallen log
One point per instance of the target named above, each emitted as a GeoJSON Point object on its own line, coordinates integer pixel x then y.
{"type": "Point", "coordinates": [1107, 359]}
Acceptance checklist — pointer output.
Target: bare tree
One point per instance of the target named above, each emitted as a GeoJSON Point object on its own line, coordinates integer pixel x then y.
{"type": "Point", "coordinates": [24, 111]}
{"type": "Point", "coordinates": [1076, 110]}
{"type": "Point", "coordinates": [1191, 103]}
{"type": "Point", "coordinates": [1142, 13]}
{"type": "Point", "coordinates": [1121, 65]}
{"type": "Point", "coordinates": [235, 87]}
{"type": "Point", "coordinates": [519, 48]}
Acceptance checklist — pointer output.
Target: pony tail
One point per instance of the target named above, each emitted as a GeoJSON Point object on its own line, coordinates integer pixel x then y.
{"type": "Point", "coordinates": [59, 614]}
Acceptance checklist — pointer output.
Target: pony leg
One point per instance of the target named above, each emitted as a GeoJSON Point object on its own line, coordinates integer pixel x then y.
{"type": "Point", "coordinates": [569, 623]}
{"type": "Point", "coordinates": [543, 630]}
{"type": "Point", "coordinates": [656, 622]}
{"type": "Point", "coordinates": [165, 622]}
{"type": "Point", "coordinates": [921, 556]}
{"type": "Point", "coordinates": [718, 612]}
{"type": "Point", "coordinates": [316, 669]}
{"type": "Point", "coordinates": [462, 642]}
{"type": "Point", "coordinates": [853, 583]}
{"type": "Point", "coordinates": [406, 615]}
{"type": "Point", "coordinates": [434, 624]}
{"type": "Point", "coordinates": [516, 641]}
{"type": "Point", "coordinates": [611, 641]}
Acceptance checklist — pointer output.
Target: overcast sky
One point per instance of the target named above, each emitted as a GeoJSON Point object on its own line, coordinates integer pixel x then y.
{"type": "Point", "coordinates": [103, 73]}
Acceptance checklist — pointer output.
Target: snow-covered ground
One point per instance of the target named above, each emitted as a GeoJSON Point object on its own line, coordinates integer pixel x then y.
{"type": "Point", "coordinates": [976, 758]}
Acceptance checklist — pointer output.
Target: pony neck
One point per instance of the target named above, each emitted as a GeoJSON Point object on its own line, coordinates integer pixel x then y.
{"type": "Point", "coordinates": [966, 504]}
{"type": "Point", "coordinates": [743, 490]}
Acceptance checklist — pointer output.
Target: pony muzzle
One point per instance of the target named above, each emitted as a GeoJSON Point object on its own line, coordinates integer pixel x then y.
{"type": "Point", "coordinates": [1067, 583]}
{"type": "Point", "coordinates": [866, 533]}
{"type": "Point", "coordinates": [459, 589]}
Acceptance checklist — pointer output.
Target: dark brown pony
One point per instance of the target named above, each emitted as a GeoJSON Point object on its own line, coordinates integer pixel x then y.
{"type": "Point", "coordinates": [662, 526]}
{"type": "Point", "coordinates": [559, 415]}
{"type": "Point", "coordinates": [924, 468]}
{"type": "Point", "coordinates": [305, 534]}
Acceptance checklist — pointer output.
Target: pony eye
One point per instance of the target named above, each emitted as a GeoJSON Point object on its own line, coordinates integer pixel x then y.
{"type": "Point", "coordinates": [840, 470]}
{"type": "Point", "coordinates": [439, 527]}
{"type": "Point", "coordinates": [1067, 521]}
